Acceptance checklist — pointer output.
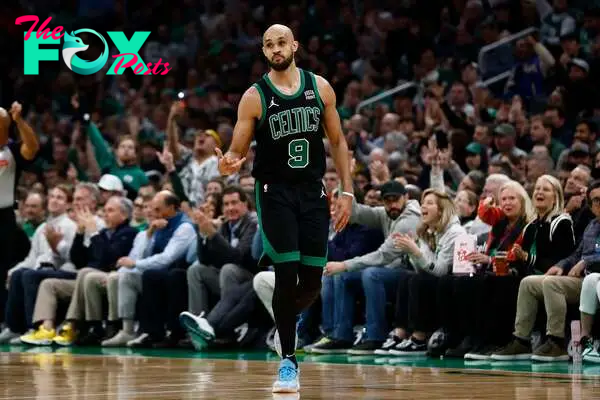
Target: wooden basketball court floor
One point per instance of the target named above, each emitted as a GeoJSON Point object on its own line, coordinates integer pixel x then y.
{"type": "Point", "coordinates": [94, 373]}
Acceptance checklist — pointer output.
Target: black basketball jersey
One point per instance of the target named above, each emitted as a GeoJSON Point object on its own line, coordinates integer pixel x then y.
{"type": "Point", "coordinates": [289, 134]}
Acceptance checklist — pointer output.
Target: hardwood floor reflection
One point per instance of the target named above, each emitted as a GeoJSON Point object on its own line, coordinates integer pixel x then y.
{"type": "Point", "coordinates": [67, 376]}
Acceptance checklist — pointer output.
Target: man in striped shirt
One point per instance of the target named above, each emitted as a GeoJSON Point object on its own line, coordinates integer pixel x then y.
{"type": "Point", "coordinates": [14, 156]}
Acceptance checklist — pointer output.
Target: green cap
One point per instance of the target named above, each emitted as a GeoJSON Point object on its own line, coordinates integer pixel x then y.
{"type": "Point", "coordinates": [474, 148]}
{"type": "Point", "coordinates": [505, 130]}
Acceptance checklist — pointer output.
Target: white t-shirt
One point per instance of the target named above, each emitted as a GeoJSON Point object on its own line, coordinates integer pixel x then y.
{"type": "Point", "coordinates": [11, 164]}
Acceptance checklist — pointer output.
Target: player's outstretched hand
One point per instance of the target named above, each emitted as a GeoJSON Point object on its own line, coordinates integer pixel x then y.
{"type": "Point", "coordinates": [229, 164]}
{"type": "Point", "coordinates": [343, 212]}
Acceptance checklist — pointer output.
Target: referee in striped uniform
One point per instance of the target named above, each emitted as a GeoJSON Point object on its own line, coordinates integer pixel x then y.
{"type": "Point", "coordinates": [14, 156]}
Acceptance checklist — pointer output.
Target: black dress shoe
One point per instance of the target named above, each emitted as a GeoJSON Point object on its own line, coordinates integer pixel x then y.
{"type": "Point", "coordinates": [463, 348]}
{"type": "Point", "coordinates": [169, 342]}
{"type": "Point", "coordinates": [92, 338]}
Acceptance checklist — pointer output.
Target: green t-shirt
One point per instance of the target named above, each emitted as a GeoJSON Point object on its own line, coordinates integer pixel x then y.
{"type": "Point", "coordinates": [140, 227]}
{"type": "Point", "coordinates": [132, 176]}
{"type": "Point", "coordinates": [29, 228]}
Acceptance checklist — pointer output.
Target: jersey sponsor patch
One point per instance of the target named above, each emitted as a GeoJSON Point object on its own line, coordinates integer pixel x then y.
{"type": "Point", "coordinates": [309, 94]}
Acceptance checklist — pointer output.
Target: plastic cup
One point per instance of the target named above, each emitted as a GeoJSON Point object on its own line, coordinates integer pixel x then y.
{"type": "Point", "coordinates": [501, 263]}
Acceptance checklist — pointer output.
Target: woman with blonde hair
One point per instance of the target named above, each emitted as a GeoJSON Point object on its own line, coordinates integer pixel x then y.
{"type": "Point", "coordinates": [480, 309]}
{"type": "Point", "coordinates": [546, 241]}
{"type": "Point", "coordinates": [433, 250]}
{"type": "Point", "coordinates": [431, 254]}
{"type": "Point", "coordinates": [537, 252]}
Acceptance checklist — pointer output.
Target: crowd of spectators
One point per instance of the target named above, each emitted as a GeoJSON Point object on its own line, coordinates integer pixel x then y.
{"type": "Point", "coordinates": [126, 222]}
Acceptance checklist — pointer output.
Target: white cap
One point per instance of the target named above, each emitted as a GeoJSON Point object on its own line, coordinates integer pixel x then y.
{"type": "Point", "coordinates": [581, 63]}
{"type": "Point", "coordinates": [110, 183]}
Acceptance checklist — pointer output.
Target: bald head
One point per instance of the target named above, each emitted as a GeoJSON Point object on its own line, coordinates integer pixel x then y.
{"type": "Point", "coordinates": [277, 30]}
{"type": "Point", "coordinates": [167, 197]}
{"type": "Point", "coordinates": [279, 47]}
{"type": "Point", "coordinates": [165, 204]}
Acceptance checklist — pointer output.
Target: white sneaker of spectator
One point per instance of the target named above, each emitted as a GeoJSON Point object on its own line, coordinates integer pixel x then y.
{"type": "Point", "coordinates": [409, 348]}
{"type": "Point", "coordinates": [590, 354]}
{"type": "Point", "coordinates": [137, 340]}
{"type": "Point", "coordinates": [17, 340]}
{"type": "Point", "coordinates": [391, 342]}
{"type": "Point", "coordinates": [119, 340]}
{"type": "Point", "coordinates": [197, 325]}
{"type": "Point", "coordinates": [7, 335]}
{"type": "Point", "coordinates": [322, 340]}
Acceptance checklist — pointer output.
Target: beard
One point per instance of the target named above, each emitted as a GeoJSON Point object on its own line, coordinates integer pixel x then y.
{"type": "Point", "coordinates": [393, 213]}
{"type": "Point", "coordinates": [283, 65]}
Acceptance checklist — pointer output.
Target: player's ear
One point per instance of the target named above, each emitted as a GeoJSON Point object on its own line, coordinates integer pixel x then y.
{"type": "Point", "coordinates": [295, 46]}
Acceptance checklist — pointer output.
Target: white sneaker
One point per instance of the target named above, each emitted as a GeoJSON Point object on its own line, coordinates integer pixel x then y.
{"type": "Point", "coordinates": [7, 335]}
{"type": "Point", "coordinates": [591, 355]}
{"type": "Point", "coordinates": [137, 340]}
{"type": "Point", "coordinates": [409, 348]}
{"type": "Point", "coordinates": [390, 343]}
{"type": "Point", "coordinates": [198, 325]}
{"type": "Point", "coordinates": [119, 340]}
{"type": "Point", "coordinates": [17, 340]}
{"type": "Point", "coordinates": [308, 348]}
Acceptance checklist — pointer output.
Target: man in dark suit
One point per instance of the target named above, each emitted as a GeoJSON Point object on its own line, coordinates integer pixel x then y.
{"type": "Point", "coordinates": [224, 253]}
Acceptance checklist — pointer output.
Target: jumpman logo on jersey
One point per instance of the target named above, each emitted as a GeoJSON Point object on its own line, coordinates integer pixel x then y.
{"type": "Point", "coordinates": [273, 103]}
{"type": "Point", "coordinates": [323, 194]}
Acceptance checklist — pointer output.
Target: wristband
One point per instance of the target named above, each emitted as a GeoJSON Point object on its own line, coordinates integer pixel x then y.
{"type": "Point", "coordinates": [348, 194]}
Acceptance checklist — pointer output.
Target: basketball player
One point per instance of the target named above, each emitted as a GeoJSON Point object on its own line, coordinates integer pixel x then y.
{"type": "Point", "coordinates": [14, 155]}
{"type": "Point", "coordinates": [288, 112]}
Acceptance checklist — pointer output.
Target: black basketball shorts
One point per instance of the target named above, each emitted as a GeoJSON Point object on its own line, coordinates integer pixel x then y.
{"type": "Point", "coordinates": [294, 222]}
